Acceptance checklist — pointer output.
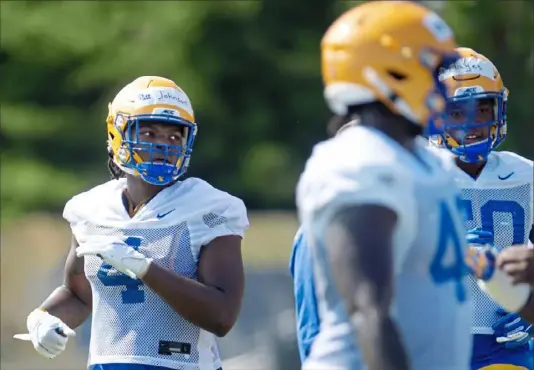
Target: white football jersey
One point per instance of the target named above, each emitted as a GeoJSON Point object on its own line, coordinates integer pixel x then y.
{"type": "Point", "coordinates": [500, 200]}
{"type": "Point", "coordinates": [131, 323]}
{"type": "Point", "coordinates": [431, 304]}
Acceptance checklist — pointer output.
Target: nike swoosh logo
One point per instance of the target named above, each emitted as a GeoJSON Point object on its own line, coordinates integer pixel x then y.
{"type": "Point", "coordinates": [161, 215]}
{"type": "Point", "coordinates": [505, 177]}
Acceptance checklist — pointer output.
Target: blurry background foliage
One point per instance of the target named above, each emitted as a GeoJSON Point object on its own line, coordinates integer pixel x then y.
{"type": "Point", "coordinates": [251, 69]}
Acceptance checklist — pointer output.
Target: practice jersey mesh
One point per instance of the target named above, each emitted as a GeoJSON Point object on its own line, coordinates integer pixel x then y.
{"type": "Point", "coordinates": [131, 322]}
{"type": "Point", "coordinates": [506, 212]}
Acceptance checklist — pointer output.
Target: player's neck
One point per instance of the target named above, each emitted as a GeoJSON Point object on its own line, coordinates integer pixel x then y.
{"type": "Point", "coordinates": [140, 191]}
{"type": "Point", "coordinates": [472, 169]}
{"type": "Point", "coordinates": [395, 130]}
{"type": "Point", "coordinates": [396, 127]}
{"type": "Point", "coordinates": [401, 136]}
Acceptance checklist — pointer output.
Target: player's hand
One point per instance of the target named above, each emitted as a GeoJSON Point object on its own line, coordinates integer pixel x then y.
{"type": "Point", "coordinates": [480, 262]}
{"type": "Point", "coordinates": [48, 334]}
{"type": "Point", "coordinates": [479, 238]}
{"type": "Point", "coordinates": [480, 259]}
{"type": "Point", "coordinates": [512, 330]}
{"type": "Point", "coordinates": [117, 253]}
{"type": "Point", "coordinates": [518, 263]}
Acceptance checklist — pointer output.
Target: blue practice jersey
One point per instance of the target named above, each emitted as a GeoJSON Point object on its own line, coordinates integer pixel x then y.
{"type": "Point", "coordinates": [301, 268]}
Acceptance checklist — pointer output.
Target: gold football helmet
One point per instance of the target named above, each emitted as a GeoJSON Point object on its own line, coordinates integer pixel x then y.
{"type": "Point", "coordinates": [150, 99]}
{"type": "Point", "coordinates": [388, 51]}
{"type": "Point", "coordinates": [476, 122]}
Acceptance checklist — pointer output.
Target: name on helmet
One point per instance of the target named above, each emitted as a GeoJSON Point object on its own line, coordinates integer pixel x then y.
{"type": "Point", "coordinates": [152, 96]}
{"type": "Point", "coordinates": [465, 66]}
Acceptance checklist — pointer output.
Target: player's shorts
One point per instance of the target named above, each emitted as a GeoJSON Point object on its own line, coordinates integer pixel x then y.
{"type": "Point", "coordinates": [490, 355]}
{"type": "Point", "coordinates": [129, 367]}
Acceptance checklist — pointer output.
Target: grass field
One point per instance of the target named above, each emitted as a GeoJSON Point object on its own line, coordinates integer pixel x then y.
{"type": "Point", "coordinates": [269, 239]}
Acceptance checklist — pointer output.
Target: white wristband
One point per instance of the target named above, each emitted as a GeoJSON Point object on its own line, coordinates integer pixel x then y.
{"type": "Point", "coordinates": [511, 297]}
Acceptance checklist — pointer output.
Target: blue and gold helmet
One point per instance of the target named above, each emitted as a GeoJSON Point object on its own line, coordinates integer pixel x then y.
{"type": "Point", "coordinates": [476, 120]}
{"type": "Point", "coordinates": [389, 52]}
{"type": "Point", "coordinates": [151, 99]}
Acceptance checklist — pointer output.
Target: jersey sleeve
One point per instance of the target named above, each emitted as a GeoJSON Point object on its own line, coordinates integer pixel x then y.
{"type": "Point", "coordinates": [228, 217]}
{"type": "Point", "coordinates": [321, 195]}
{"type": "Point", "coordinates": [73, 213]}
{"type": "Point", "coordinates": [70, 212]}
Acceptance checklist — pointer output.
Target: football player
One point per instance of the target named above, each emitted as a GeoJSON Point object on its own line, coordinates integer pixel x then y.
{"type": "Point", "coordinates": [378, 210]}
{"type": "Point", "coordinates": [155, 260]}
{"type": "Point", "coordinates": [497, 193]}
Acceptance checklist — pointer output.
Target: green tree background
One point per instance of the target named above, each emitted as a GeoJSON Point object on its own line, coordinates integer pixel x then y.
{"type": "Point", "coordinates": [251, 69]}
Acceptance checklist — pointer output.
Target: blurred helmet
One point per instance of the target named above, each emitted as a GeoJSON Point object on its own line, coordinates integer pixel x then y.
{"type": "Point", "coordinates": [388, 51]}
{"type": "Point", "coordinates": [476, 122]}
{"type": "Point", "coordinates": [150, 99]}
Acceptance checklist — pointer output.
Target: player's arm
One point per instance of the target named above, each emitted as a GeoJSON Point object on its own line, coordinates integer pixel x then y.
{"type": "Point", "coordinates": [514, 298]}
{"type": "Point", "coordinates": [213, 302]}
{"type": "Point", "coordinates": [360, 243]}
{"type": "Point", "coordinates": [508, 277]}
{"type": "Point", "coordinates": [72, 301]}
{"type": "Point", "coordinates": [50, 325]}
{"type": "Point", "coordinates": [527, 312]}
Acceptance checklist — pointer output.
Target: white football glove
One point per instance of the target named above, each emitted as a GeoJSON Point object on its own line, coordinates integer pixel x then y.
{"type": "Point", "coordinates": [48, 334]}
{"type": "Point", "coordinates": [117, 253]}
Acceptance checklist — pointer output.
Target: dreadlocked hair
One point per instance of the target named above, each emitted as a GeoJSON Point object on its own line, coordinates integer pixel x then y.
{"type": "Point", "coordinates": [364, 113]}
{"type": "Point", "coordinates": [114, 170]}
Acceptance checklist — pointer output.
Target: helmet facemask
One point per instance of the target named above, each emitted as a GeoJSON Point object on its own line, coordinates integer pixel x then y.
{"type": "Point", "coordinates": [156, 163]}
{"type": "Point", "coordinates": [475, 124]}
{"type": "Point", "coordinates": [475, 120]}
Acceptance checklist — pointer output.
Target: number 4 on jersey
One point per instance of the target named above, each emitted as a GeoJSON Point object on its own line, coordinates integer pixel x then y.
{"type": "Point", "coordinates": [449, 237]}
{"type": "Point", "coordinates": [111, 277]}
